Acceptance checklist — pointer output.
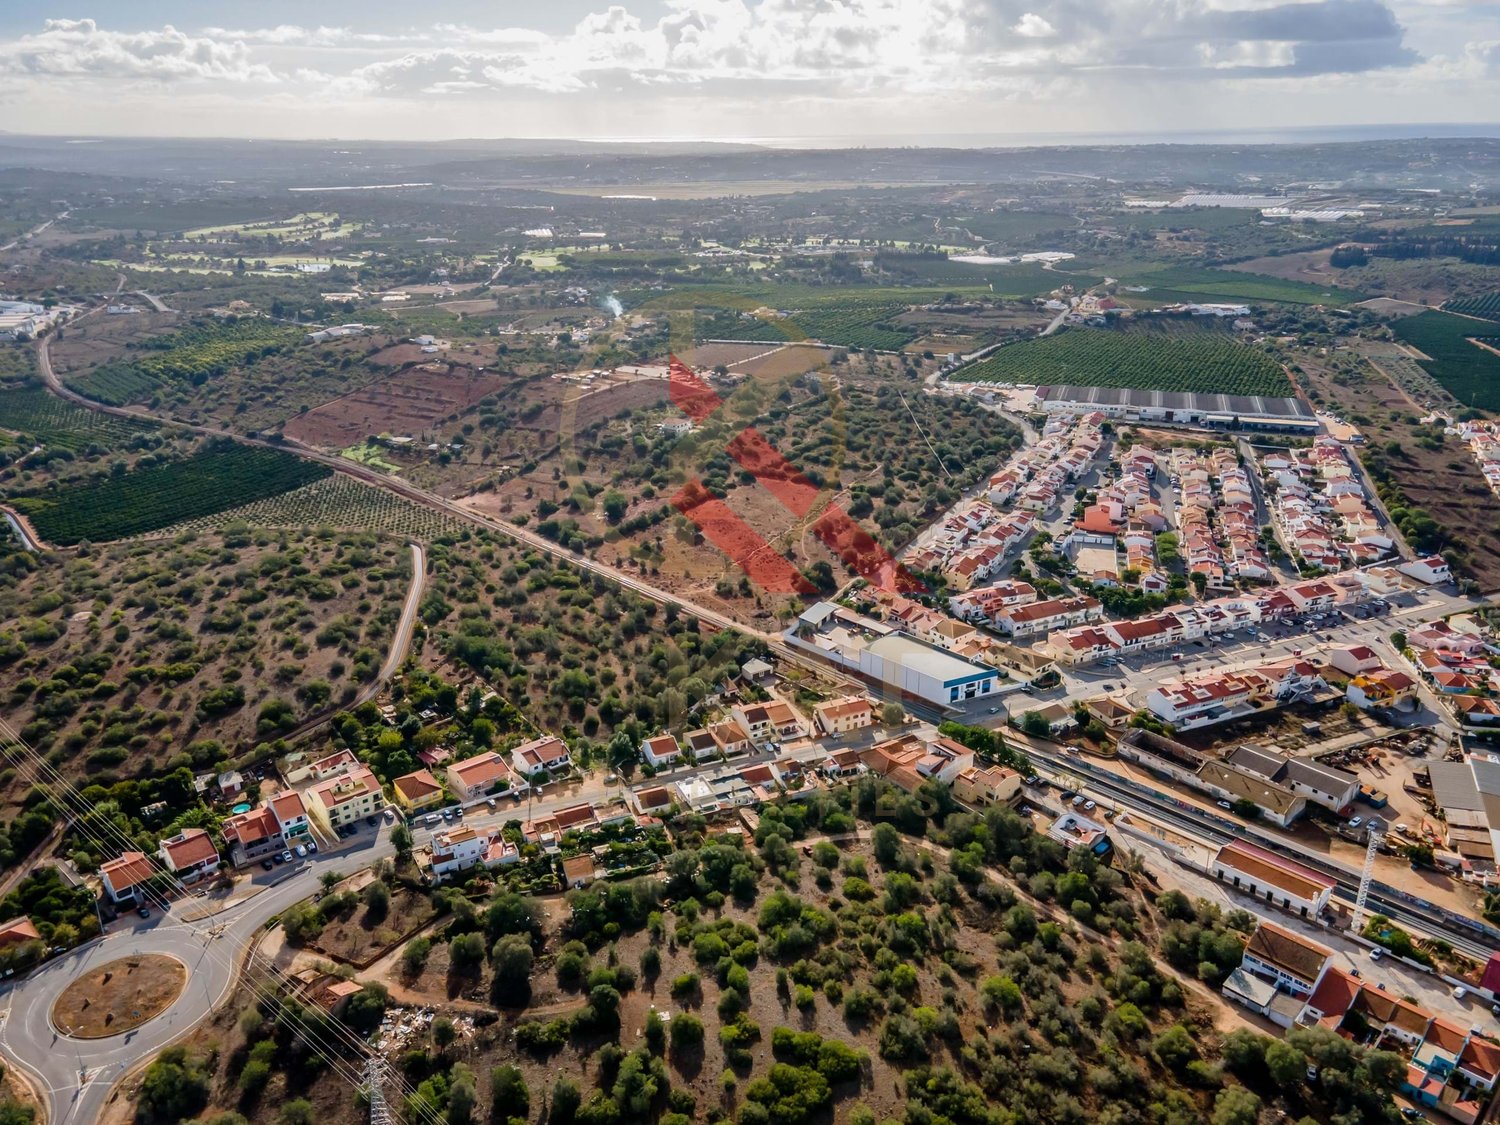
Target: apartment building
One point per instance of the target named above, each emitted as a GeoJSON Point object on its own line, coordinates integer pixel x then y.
{"type": "Point", "coordinates": [344, 799]}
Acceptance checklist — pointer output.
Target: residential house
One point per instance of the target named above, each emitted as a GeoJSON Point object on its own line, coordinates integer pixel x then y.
{"type": "Point", "coordinates": [479, 776]}
{"type": "Point", "coordinates": [1074, 830]}
{"type": "Point", "coordinates": [765, 723]}
{"type": "Point", "coordinates": [252, 835]}
{"type": "Point", "coordinates": [457, 849]}
{"type": "Point", "coordinates": [18, 931]}
{"type": "Point", "coordinates": [419, 790]}
{"type": "Point", "coordinates": [1354, 660]}
{"type": "Point", "coordinates": [291, 815]}
{"type": "Point", "coordinates": [547, 754]}
{"type": "Point", "coordinates": [1385, 688]}
{"type": "Point", "coordinates": [335, 764]}
{"type": "Point", "coordinates": [124, 878]}
{"type": "Point", "coordinates": [660, 751]}
{"type": "Point", "coordinates": [579, 871]}
{"type": "Point", "coordinates": [731, 739]}
{"type": "Point", "coordinates": [190, 855]}
{"type": "Point", "coordinates": [982, 786]}
{"type": "Point", "coordinates": [1033, 618]}
{"type": "Point", "coordinates": [344, 799]}
{"type": "Point", "coordinates": [1431, 571]}
{"type": "Point", "coordinates": [840, 716]}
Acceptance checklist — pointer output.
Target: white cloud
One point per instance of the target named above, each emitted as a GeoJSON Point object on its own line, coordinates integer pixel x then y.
{"type": "Point", "coordinates": [1033, 26]}
{"type": "Point", "coordinates": [67, 48]}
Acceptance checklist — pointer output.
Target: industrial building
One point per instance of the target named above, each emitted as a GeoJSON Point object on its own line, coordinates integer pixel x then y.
{"type": "Point", "coordinates": [1217, 412]}
{"type": "Point", "coordinates": [896, 660]}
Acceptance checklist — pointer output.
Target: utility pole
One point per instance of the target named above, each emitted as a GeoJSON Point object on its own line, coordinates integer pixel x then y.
{"type": "Point", "coordinates": [1366, 877]}
{"type": "Point", "coordinates": [380, 1113]}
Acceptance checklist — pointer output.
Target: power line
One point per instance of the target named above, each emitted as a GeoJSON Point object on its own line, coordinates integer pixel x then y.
{"type": "Point", "coordinates": [42, 774]}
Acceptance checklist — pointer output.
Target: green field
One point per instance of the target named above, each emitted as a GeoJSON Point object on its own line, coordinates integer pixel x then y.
{"type": "Point", "coordinates": [1101, 358]}
{"type": "Point", "coordinates": [1468, 371]}
{"type": "Point", "coordinates": [57, 424]}
{"type": "Point", "coordinates": [1195, 284]}
{"type": "Point", "coordinates": [114, 384]}
{"type": "Point", "coordinates": [852, 326]}
{"type": "Point", "coordinates": [210, 481]}
{"type": "Point", "coordinates": [336, 501]}
{"type": "Point", "coordinates": [1486, 305]}
{"type": "Point", "coordinates": [193, 355]}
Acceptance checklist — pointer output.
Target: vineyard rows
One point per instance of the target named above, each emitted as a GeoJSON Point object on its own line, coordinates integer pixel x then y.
{"type": "Point", "coordinates": [147, 499]}
{"type": "Point", "coordinates": [1088, 357]}
{"type": "Point", "coordinates": [339, 502]}
{"type": "Point", "coordinates": [60, 425]}
{"type": "Point", "coordinates": [1486, 305]}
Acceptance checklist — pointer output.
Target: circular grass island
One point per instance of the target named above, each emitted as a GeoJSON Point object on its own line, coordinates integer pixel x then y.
{"type": "Point", "coordinates": [119, 997]}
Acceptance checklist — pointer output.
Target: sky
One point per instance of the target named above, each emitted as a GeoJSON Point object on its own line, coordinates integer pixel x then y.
{"type": "Point", "coordinates": [854, 71]}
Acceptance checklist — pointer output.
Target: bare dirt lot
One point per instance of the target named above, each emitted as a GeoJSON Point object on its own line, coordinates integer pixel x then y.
{"type": "Point", "coordinates": [119, 996]}
{"type": "Point", "coordinates": [795, 359]}
{"type": "Point", "coordinates": [412, 402]}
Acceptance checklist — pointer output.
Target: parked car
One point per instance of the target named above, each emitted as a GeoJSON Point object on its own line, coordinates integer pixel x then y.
{"type": "Point", "coordinates": [1089, 806]}
{"type": "Point", "coordinates": [447, 814]}
{"type": "Point", "coordinates": [371, 821]}
{"type": "Point", "coordinates": [1356, 821]}
{"type": "Point", "coordinates": [312, 846]}
{"type": "Point", "coordinates": [301, 851]}
{"type": "Point", "coordinates": [143, 911]}
{"type": "Point", "coordinates": [1377, 953]}
{"type": "Point", "coordinates": [390, 816]}
{"type": "Point", "coordinates": [1078, 801]}
{"type": "Point", "coordinates": [1459, 992]}
{"type": "Point", "coordinates": [267, 864]}
{"type": "Point", "coordinates": [1225, 805]}
{"type": "Point", "coordinates": [1409, 1114]}
{"type": "Point", "coordinates": [286, 857]}
{"type": "Point", "coordinates": [430, 819]}
{"type": "Point", "coordinates": [282, 857]}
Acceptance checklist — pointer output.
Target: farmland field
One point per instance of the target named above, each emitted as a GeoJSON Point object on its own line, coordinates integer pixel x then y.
{"type": "Point", "coordinates": [1100, 358]}
{"type": "Point", "coordinates": [148, 499]}
{"type": "Point", "coordinates": [335, 501]}
{"type": "Point", "coordinates": [1486, 305]}
{"type": "Point", "coordinates": [60, 425]}
{"type": "Point", "coordinates": [414, 402]}
{"type": "Point", "coordinates": [1194, 284]}
{"type": "Point", "coordinates": [1469, 371]}
{"type": "Point", "coordinates": [849, 326]}
{"type": "Point", "coordinates": [192, 355]}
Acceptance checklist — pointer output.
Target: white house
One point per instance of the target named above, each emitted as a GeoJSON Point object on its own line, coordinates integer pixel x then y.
{"type": "Point", "coordinates": [1280, 882]}
{"type": "Point", "coordinates": [661, 750]}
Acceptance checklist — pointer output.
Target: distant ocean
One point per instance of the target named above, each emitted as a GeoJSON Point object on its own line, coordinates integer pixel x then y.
{"type": "Point", "coordinates": [1296, 134]}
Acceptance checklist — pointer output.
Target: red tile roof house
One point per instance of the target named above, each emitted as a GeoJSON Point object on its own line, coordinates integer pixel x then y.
{"type": "Point", "coordinates": [18, 932]}
{"type": "Point", "coordinates": [190, 855]}
{"type": "Point", "coordinates": [478, 776]}
{"type": "Point", "coordinates": [123, 877]}
{"type": "Point", "coordinates": [252, 835]}
{"type": "Point", "coordinates": [547, 753]}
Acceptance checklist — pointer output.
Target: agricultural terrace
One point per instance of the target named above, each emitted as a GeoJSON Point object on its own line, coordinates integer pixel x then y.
{"type": "Point", "coordinates": [1470, 370]}
{"type": "Point", "coordinates": [189, 356]}
{"type": "Point", "coordinates": [132, 659]}
{"type": "Point", "coordinates": [1202, 363]}
{"type": "Point", "coordinates": [1485, 306]}
{"type": "Point", "coordinates": [943, 968]}
{"type": "Point", "coordinates": [217, 477]}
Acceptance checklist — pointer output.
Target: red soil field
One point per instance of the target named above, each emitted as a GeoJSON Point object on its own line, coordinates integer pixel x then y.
{"type": "Point", "coordinates": [411, 402]}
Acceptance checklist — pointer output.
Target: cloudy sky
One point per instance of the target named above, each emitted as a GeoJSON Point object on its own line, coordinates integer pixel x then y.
{"type": "Point", "coordinates": [731, 69]}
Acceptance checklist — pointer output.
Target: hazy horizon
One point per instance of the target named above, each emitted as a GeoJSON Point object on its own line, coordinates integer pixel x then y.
{"type": "Point", "coordinates": [860, 71]}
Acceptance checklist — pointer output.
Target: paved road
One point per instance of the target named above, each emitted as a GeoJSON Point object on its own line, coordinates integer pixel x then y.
{"type": "Point", "coordinates": [34, 231]}
{"type": "Point", "coordinates": [406, 490]}
{"type": "Point", "coordinates": [1214, 830]}
{"type": "Point", "coordinates": [76, 1076]}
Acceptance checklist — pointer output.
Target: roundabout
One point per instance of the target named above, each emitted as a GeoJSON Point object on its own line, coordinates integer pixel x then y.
{"type": "Point", "coordinates": [119, 996]}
